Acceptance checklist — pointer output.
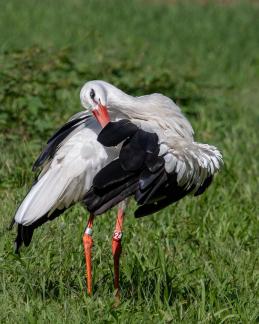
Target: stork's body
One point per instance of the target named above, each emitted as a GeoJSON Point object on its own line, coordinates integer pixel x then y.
{"type": "Point", "coordinates": [146, 151]}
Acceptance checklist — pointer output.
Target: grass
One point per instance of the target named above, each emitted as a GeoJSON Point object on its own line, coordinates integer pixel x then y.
{"type": "Point", "coordinates": [194, 262]}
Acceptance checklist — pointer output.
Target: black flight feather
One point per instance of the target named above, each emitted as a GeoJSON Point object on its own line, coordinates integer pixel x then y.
{"type": "Point", "coordinates": [112, 174]}
{"type": "Point", "coordinates": [54, 142]}
{"type": "Point", "coordinates": [146, 196]}
{"type": "Point", "coordinates": [98, 203]}
{"type": "Point", "coordinates": [148, 141]}
{"type": "Point", "coordinates": [123, 194]}
{"type": "Point", "coordinates": [147, 178]}
{"type": "Point", "coordinates": [154, 162]}
{"type": "Point", "coordinates": [132, 156]}
{"type": "Point", "coordinates": [138, 149]}
{"type": "Point", "coordinates": [163, 197]}
{"type": "Point", "coordinates": [25, 233]}
{"type": "Point", "coordinates": [204, 186]}
{"type": "Point", "coordinates": [51, 148]}
{"type": "Point", "coordinates": [148, 209]}
{"type": "Point", "coordinates": [116, 132]}
{"type": "Point", "coordinates": [122, 177]}
{"type": "Point", "coordinates": [19, 240]}
{"type": "Point", "coordinates": [67, 126]}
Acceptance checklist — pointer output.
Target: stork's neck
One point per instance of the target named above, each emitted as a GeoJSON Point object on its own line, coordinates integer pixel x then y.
{"type": "Point", "coordinates": [155, 110]}
{"type": "Point", "coordinates": [119, 100]}
{"type": "Point", "coordinates": [120, 104]}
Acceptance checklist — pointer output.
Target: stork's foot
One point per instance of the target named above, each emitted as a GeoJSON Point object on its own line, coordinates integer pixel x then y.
{"type": "Point", "coordinates": [117, 298]}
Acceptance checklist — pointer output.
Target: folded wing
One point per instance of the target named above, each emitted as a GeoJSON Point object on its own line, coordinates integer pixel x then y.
{"type": "Point", "coordinates": [70, 160]}
{"type": "Point", "coordinates": [151, 171]}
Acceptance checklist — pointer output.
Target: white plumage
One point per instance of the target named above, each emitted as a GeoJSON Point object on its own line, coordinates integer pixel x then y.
{"type": "Point", "coordinates": [68, 176]}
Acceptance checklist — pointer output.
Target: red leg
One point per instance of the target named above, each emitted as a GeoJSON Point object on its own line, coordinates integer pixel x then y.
{"type": "Point", "coordinates": [116, 250]}
{"type": "Point", "coordinates": [88, 243]}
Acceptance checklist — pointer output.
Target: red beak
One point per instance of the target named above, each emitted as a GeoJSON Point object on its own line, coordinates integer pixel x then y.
{"type": "Point", "coordinates": [101, 114]}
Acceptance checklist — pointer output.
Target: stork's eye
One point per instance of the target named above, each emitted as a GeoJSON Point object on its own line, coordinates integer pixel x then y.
{"type": "Point", "coordinates": [92, 94]}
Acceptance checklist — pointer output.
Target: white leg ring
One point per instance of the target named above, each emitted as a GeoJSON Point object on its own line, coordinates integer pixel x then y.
{"type": "Point", "coordinates": [89, 231]}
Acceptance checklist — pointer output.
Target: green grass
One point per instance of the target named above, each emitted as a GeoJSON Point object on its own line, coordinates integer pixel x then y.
{"type": "Point", "coordinates": [194, 262]}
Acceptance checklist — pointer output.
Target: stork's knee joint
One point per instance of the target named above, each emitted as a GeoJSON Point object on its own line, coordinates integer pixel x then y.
{"type": "Point", "coordinates": [89, 231]}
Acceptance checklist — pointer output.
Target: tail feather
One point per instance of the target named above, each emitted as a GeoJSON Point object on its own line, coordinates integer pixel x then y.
{"type": "Point", "coordinates": [25, 233]}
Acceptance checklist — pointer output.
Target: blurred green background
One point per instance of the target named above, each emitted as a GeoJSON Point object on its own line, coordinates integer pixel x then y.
{"type": "Point", "coordinates": [194, 262]}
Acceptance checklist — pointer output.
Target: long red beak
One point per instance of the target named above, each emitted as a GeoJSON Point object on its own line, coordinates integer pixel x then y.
{"type": "Point", "coordinates": [101, 114]}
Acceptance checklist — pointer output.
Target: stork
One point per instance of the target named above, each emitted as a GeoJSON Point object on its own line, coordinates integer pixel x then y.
{"type": "Point", "coordinates": [120, 147]}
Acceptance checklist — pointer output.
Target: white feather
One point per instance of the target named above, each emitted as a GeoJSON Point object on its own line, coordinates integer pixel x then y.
{"type": "Point", "coordinates": [67, 178]}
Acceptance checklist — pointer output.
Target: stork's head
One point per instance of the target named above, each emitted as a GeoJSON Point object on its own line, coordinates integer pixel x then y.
{"type": "Point", "coordinates": [93, 94]}
{"type": "Point", "coordinates": [93, 97]}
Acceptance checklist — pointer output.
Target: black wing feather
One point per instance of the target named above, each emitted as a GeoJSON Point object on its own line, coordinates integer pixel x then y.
{"type": "Point", "coordinates": [138, 171]}
{"type": "Point", "coordinates": [67, 126]}
{"type": "Point", "coordinates": [121, 177]}
{"type": "Point", "coordinates": [116, 132]}
{"type": "Point", "coordinates": [204, 186]}
{"type": "Point", "coordinates": [147, 179]}
{"type": "Point", "coordinates": [143, 197]}
{"type": "Point", "coordinates": [111, 175]}
{"type": "Point", "coordinates": [25, 233]}
{"type": "Point", "coordinates": [98, 202]}
{"type": "Point", "coordinates": [123, 193]}
{"type": "Point", "coordinates": [135, 150]}
{"type": "Point", "coordinates": [154, 162]}
{"type": "Point", "coordinates": [54, 142]}
{"type": "Point", "coordinates": [51, 148]}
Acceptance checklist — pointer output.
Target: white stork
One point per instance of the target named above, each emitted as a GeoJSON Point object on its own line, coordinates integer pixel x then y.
{"type": "Point", "coordinates": [132, 146]}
